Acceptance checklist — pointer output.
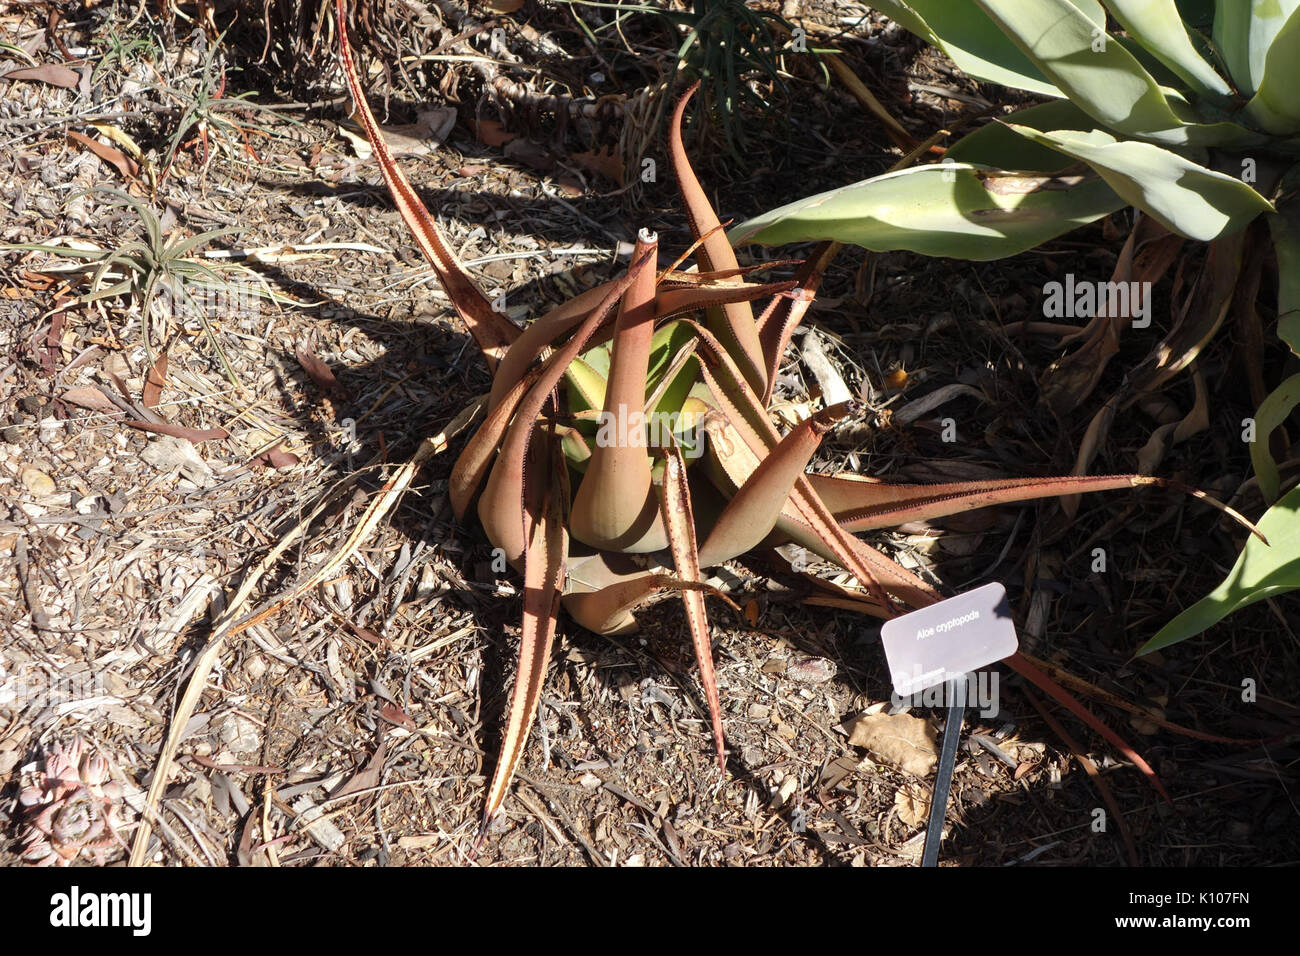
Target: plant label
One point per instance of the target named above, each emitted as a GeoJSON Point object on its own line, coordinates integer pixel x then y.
{"type": "Point", "coordinates": [949, 639]}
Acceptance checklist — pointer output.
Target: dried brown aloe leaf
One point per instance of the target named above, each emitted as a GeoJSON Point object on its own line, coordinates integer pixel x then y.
{"type": "Point", "coordinates": [609, 610]}
{"type": "Point", "coordinates": [806, 515]}
{"type": "Point", "coordinates": [865, 504]}
{"type": "Point", "coordinates": [548, 546]}
{"type": "Point", "coordinates": [752, 512]}
{"type": "Point", "coordinates": [1145, 257]}
{"type": "Point", "coordinates": [615, 507]}
{"type": "Point", "coordinates": [675, 301]}
{"type": "Point", "coordinates": [491, 330]}
{"type": "Point", "coordinates": [480, 451]}
{"type": "Point", "coordinates": [1021, 665]}
{"type": "Point", "coordinates": [777, 323]}
{"type": "Point", "coordinates": [680, 522]}
{"type": "Point", "coordinates": [500, 505]}
{"type": "Point", "coordinates": [543, 334]}
{"type": "Point", "coordinates": [732, 323]}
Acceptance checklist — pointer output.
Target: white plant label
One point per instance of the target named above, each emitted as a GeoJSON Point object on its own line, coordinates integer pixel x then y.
{"type": "Point", "coordinates": [949, 639]}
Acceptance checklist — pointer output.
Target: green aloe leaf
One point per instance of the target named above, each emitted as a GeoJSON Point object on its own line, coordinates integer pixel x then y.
{"type": "Point", "coordinates": [668, 343]}
{"type": "Point", "coordinates": [587, 377]}
{"type": "Point", "coordinates": [1262, 571]}
{"type": "Point", "coordinates": [178, 249]}
{"type": "Point", "coordinates": [1244, 32]}
{"type": "Point", "coordinates": [1097, 73]}
{"type": "Point", "coordinates": [1185, 197]}
{"type": "Point", "coordinates": [1275, 106]}
{"type": "Point", "coordinates": [951, 209]}
{"type": "Point", "coordinates": [971, 40]}
{"type": "Point", "coordinates": [1158, 26]}
{"type": "Point", "coordinates": [1272, 412]}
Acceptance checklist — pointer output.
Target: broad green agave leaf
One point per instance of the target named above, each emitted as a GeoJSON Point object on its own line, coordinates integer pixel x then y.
{"type": "Point", "coordinates": [1158, 26]}
{"type": "Point", "coordinates": [973, 41]}
{"type": "Point", "coordinates": [1184, 197]}
{"type": "Point", "coordinates": [1244, 31]}
{"type": "Point", "coordinates": [1285, 229]}
{"type": "Point", "coordinates": [999, 146]}
{"type": "Point", "coordinates": [960, 210]}
{"type": "Point", "coordinates": [1276, 106]}
{"type": "Point", "coordinates": [1095, 71]}
{"type": "Point", "coordinates": [1271, 413]}
{"type": "Point", "coordinates": [1262, 571]}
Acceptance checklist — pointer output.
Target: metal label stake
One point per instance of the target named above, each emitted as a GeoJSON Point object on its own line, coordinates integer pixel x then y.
{"type": "Point", "coordinates": [938, 646]}
{"type": "Point", "coordinates": [956, 691]}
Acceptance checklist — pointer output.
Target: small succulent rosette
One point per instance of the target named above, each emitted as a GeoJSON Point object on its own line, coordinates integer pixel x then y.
{"type": "Point", "coordinates": [70, 812]}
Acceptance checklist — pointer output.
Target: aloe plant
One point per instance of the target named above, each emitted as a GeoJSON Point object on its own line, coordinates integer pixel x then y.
{"type": "Point", "coordinates": [613, 415]}
{"type": "Point", "coordinates": [157, 266]}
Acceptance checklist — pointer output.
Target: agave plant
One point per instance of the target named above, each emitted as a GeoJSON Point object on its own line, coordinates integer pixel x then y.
{"type": "Point", "coordinates": [627, 446]}
{"type": "Point", "coordinates": [1187, 112]}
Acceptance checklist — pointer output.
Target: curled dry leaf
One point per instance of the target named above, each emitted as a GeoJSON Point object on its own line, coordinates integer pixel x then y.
{"type": "Point", "coordinates": [369, 776]}
{"type": "Point", "coordinates": [124, 164]}
{"type": "Point", "coordinates": [530, 154]}
{"type": "Point", "coordinates": [420, 138]}
{"type": "Point", "coordinates": [172, 454]}
{"type": "Point", "coordinates": [1146, 725]}
{"type": "Point", "coordinates": [492, 133]}
{"type": "Point", "coordinates": [395, 715]}
{"type": "Point", "coordinates": [276, 457]}
{"type": "Point", "coordinates": [155, 381]}
{"type": "Point", "coordinates": [913, 804]}
{"type": "Point", "coordinates": [928, 403]}
{"type": "Point", "coordinates": [89, 398]}
{"type": "Point", "coordinates": [907, 742]}
{"type": "Point", "coordinates": [51, 73]}
{"type": "Point", "coordinates": [318, 371]}
{"type": "Point", "coordinates": [604, 162]}
{"type": "Point", "coordinates": [824, 371]}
